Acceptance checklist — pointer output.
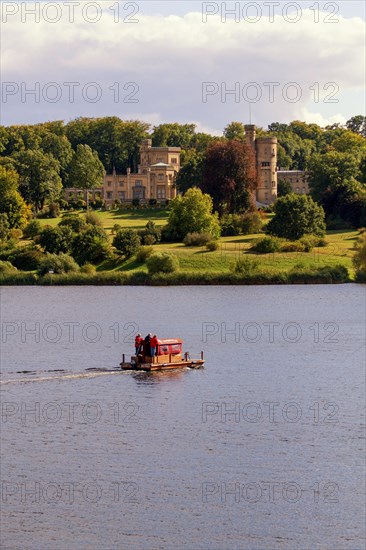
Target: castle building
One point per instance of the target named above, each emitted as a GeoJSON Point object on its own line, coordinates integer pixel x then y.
{"type": "Point", "coordinates": [298, 179]}
{"type": "Point", "coordinates": [159, 166]}
{"type": "Point", "coordinates": [155, 178]}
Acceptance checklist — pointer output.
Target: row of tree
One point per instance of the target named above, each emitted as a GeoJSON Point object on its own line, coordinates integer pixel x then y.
{"type": "Point", "coordinates": [45, 158]}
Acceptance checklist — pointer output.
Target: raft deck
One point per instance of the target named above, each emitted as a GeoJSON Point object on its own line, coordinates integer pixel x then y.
{"type": "Point", "coordinates": [162, 362]}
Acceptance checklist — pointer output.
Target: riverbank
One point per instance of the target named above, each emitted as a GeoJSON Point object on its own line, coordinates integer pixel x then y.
{"type": "Point", "coordinates": [331, 262]}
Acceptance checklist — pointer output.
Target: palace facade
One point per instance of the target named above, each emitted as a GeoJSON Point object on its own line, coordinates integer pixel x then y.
{"type": "Point", "coordinates": [155, 178]}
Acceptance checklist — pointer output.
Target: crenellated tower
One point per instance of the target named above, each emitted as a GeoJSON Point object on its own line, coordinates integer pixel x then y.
{"type": "Point", "coordinates": [266, 162]}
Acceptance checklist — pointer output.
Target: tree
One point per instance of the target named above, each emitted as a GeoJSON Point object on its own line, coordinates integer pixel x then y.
{"type": "Point", "coordinates": [283, 188]}
{"type": "Point", "coordinates": [191, 213]}
{"type": "Point", "coordinates": [357, 124]}
{"type": "Point", "coordinates": [173, 135]}
{"type": "Point", "coordinates": [39, 177]}
{"type": "Point", "coordinates": [333, 179]}
{"type": "Point", "coordinates": [191, 172]}
{"type": "Point", "coordinates": [229, 176]}
{"type": "Point", "coordinates": [296, 216]}
{"type": "Point", "coordinates": [4, 227]}
{"type": "Point", "coordinates": [11, 202]}
{"type": "Point", "coordinates": [60, 148]}
{"type": "Point", "coordinates": [116, 141]}
{"type": "Point", "coordinates": [127, 242]}
{"type": "Point", "coordinates": [85, 171]}
{"type": "Point", "coordinates": [235, 130]}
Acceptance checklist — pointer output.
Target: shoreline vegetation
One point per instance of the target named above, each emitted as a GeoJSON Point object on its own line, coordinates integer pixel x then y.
{"type": "Point", "coordinates": [321, 275]}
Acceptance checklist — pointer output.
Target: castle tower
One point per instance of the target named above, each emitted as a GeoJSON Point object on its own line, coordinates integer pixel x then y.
{"type": "Point", "coordinates": [266, 149]}
{"type": "Point", "coordinates": [266, 161]}
{"type": "Point", "coordinates": [250, 134]}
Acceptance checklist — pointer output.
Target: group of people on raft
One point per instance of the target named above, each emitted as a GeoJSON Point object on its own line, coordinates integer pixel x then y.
{"type": "Point", "coordinates": [147, 345]}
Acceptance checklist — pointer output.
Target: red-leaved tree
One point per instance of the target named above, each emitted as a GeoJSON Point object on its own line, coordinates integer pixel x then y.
{"type": "Point", "coordinates": [230, 176]}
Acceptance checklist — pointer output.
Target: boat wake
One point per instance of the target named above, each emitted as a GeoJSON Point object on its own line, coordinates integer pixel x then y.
{"type": "Point", "coordinates": [92, 373]}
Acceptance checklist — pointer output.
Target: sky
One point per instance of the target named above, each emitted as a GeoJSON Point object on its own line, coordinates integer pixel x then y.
{"type": "Point", "coordinates": [207, 63]}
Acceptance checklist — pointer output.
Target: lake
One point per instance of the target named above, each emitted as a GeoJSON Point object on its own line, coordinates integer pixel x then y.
{"type": "Point", "coordinates": [262, 449]}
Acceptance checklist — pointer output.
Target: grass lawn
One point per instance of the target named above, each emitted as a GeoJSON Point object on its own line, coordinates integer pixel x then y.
{"type": "Point", "coordinates": [338, 251]}
{"type": "Point", "coordinates": [135, 219]}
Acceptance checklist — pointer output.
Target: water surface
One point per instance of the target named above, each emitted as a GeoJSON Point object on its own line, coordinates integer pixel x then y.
{"type": "Point", "coordinates": [263, 448]}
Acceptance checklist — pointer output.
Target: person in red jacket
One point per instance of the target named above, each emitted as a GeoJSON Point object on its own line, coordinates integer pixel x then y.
{"type": "Point", "coordinates": [138, 342]}
{"type": "Point", "coordinates": [153, 345]}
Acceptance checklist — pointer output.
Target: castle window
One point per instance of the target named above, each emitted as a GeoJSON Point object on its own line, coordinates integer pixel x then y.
{"type": "Point", "coordinates": [161, 177]}
{"type": "Point", "coordinates": [303, 189]}
{"type": "Point", "coordinates": [109, 183]}
{"type": "Point", "coordinates": [109, 195]}
{"type": "Point", "coordinates": [273, 183]}
{"type": "Point", "coordinates": [121, 184]}
{"type": "Point", "coordinates": [138, 183]}
{"type": "Point", "coordinates": [297, 189]}
{"type": "Point", "coordinates": [174, 161]}
{"type": "Point", "coordinates": [121, 194]}
{"type": "Point", "coordinates": [161, 193]}
{"type": "Point", "coordinates": [266, 164]}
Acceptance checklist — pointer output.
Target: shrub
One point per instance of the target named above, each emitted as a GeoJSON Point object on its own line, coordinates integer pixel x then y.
{"type": "Point", "coordinates": [15, 234]}
{"type": "Point", "coordinates": [321, 242]}
{"type": "Point", "coordinates": [7, 267]}
{"type": "Point", "coordinates": [135, 202]}
{"type": "Point", "coordinates": [294, 246]}
{"type": "Point", "coordinates": [93, 219]}
{"type": "Point", "coordinates": [56, 239]}
{"type": "Point", "coordinates": [212, 246]}
{"type": "Point", "coordinates": [152, 202]}
{"type": "Point", "coordinates": [149, 239]}
{"type": "Point", "coordinates": [58, 263]}
{"type": "Point", "coordinates": [75, 222]}
{"type": "Point", "coordinates": [197, 239]}
{"type": "Point", "coordinates": [267, 245]}
{"type": "Point", "coordinates": [32, 229]}
{"type": "Point", "coordinates": [88, 268]}
{"type": "Point", "coordinates": [144, 253]}
{"type": "Point", "coordinates": [127, 242]}
{"type": "Point", "coordinates": [150, 234]}
{"type": "Point", "coordinates": [251, 223]}
{"type": "Point", "coordinates": [53, 210]}
{"type": "Point", "coordinates": [362, 230]}
{"type": "Point", "coordinates": [308, 243]}
{"type": "Point", "coordinates": [98, 202]}
{"type": "Point", "coordinates": [116, 228]}
{"type": "Point", "coordinates": [359, 259]}
{"type": "Point", "coordinates": [91, 246]}
{"type": "Point", "coordinates": [246, 266]}
{"type": "Point", "coordinates": [27, 259]}
{"type": "Point", "coordinates": [231, 225]}
{"type": "Point", "coordinates": [162, 263]}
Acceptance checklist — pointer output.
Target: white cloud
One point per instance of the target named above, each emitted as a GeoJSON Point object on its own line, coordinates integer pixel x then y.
{"type": "Point", "coordinates": [170, 56]}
